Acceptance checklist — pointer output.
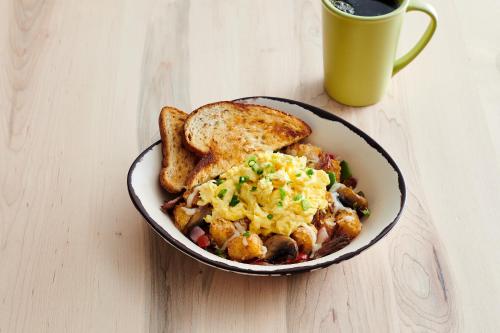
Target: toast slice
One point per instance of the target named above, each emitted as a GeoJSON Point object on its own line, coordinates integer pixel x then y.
{"type": "Point", "coordinates": [178, 161]}
{"type": "Point", "coordinates": [224, 133]}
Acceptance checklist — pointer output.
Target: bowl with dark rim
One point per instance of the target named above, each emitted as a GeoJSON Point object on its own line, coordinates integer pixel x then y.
{"type": "Point", "coordinates": [378, 177]}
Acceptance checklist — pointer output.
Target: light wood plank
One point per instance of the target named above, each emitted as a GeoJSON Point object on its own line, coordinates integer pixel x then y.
{"type": "Point", "coordinates": [80, 90]}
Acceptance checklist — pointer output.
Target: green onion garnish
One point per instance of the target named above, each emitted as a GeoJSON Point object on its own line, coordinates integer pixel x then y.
{"type": "Point", "coordinates": [259, 171]}
{"type": "Point", "coordinates": [365, 212]}
{"type": "Point", "coordinates": [298, 174]}
{"type": "Point", "coordinates": [298, 197]}
{"type": "Point", "coordinates": [246, 234]}
{"type": "Point", "coordinates": [252, 160]}
{"type": "Point", "coordinates": [254, 188]}
{"type": "Point", "coordinates": [219, 181]}
{"type": "Point", "coordinates": [333, 179]}
{"type": "Point", "coordinates": [282, 193]}
{"type": "Point", "coordinates": [270, 216]}
{"type": "Point", "coordinates": [243, 179]}
{"type": "Point", "coordinates": [305, 204]}
{"type": "Point", "coordinates": [222, 193]}
{"type": "Point", "coordinates": [309, 172]}
{"type": "Point", "coordinates": [280, 204]}
{"type": "Point", "coordinates": [234, 201]}
{"type": "Point", "coordinates": [345, 171]}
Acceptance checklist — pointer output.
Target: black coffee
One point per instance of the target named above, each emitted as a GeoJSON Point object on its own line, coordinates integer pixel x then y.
{"type": "Point", "coordinates": [366, 7]}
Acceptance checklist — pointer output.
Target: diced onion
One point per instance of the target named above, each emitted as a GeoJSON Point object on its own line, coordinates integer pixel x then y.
{"type": "Point", "coordinates": [189, 211]}
{"type": "Point", "coordinates": [322, 236]}
{"type": "Point", "coordinates": [196, 233]}
{"type": "Point", "coordinates": [190, 198]}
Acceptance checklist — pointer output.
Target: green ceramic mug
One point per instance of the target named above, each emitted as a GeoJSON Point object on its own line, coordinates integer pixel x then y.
{"type": "Point", "coordinates": [359, 51]}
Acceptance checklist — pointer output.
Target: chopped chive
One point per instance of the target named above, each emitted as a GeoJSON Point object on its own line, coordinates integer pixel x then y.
{"type": "Point", "coordinates": [234, 201]}
{"type": "Point", "coordinates": [220, 253]}
{"type": "Point", "coordinates": [366, 212]}
{"type": "Point", "coordinates": [219, 181]}
{"type": "Point", "coordinates": [259, 171]}
{"type": "Point", "coordinates": [333, 179]}
{"type": "Point", "coordinates": [345, 171]}
{"type": "Point", "coordinates": [298, 197]}
{"type": "Point", "coordinates": [282, 193]}
{"type": "Point", "coordinates": [305, 204]}
{"type": "Point", "coordinates": [298, 174]}
{"type": "Point", "coordinates": [251, 163]}
{"type": "Point", "coordinates": [222, 193]}
{"type": "Point", "coordinates": [243, 179]}
{"type": "Point", "coordinates": [270, 216]}
{"type": "Point", "coordinates": [309, 172]}
{"type": "Point", "coordinates": [246, 234]}
{"type": "Point", "coordinates": [252, 158]}
{"type": "Point", "coordinates": [280, 204]}
{"type": "Point", "coordinates": [254, 188]}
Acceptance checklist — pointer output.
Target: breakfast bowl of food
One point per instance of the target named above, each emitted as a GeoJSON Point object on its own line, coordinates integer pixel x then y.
{"type": "Point", "coordinates": [266, 186]}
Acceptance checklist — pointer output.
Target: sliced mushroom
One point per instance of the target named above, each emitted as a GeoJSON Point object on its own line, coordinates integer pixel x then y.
{"type": "Point", "coordinates": [351, 199]}
{"type": "Point", "coordinates": [280, 248]}
{"type": "Point", "coordinates": [197, 218]}
{"type": "Point", "coordinates": [333, 245]}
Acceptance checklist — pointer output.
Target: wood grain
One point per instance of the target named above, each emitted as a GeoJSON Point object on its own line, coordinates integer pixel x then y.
{"type": "Point", "coordinates": [81, 87]}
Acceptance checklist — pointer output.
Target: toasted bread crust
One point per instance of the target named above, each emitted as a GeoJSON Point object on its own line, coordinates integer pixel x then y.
{"type": "Point", "coordinates": [224, 133]}
{"type": "Point", "coordinates": [188, 135]}
{"type": "Point", "coordinates": [177, 161]}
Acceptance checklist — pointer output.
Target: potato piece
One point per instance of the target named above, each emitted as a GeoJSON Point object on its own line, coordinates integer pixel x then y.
{"type": "Point", "coordinates": [181, 218]}
{"type": "Point", "coordinates": [243, 248]}
{"type": "Point", "coordinates": [305, 238]}
{"type": "Point", "coordinates": [352, 199]}
{"type": "Point", "coordinates": [349, 222]}
{"type": "Point", "coordinates": [221, 229]}
{"type": "Point", "coordinates": [311, 152]}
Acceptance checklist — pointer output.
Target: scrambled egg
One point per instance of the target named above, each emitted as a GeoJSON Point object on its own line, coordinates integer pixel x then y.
{"type": "Point", "coordinates": [276, 192]}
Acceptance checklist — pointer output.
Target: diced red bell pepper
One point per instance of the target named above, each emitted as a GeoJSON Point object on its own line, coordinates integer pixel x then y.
{"type": "Point", "coordinates": [301, 257]}
{"type": "Point", "coordinates": [203, 241]}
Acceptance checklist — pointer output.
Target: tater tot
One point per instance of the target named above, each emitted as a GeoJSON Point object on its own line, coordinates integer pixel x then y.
{"type": "Point", "coordinates": [220, 230]}
{"type": "Point", "coordinates": [311, 152]}
{"type": "Point", "coordinates": [349, 222]}
{"type": "Point", "coordinates": [305, 238]}
{"type": "Point", "coordinates": [244, 248]}
{"type": "Point", "coordinates": [181, 217]}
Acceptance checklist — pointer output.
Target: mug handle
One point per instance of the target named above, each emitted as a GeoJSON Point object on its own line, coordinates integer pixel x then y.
{"type": "Point", "coordinates": [417, 5]}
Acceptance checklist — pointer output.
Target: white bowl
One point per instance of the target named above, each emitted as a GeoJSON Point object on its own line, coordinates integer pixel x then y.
{"type": "Point", "coordinates": [378, 177]}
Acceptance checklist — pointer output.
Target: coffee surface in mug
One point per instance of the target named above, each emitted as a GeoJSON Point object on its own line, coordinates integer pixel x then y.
{"type": "Point", "coordinates": [366, 7]}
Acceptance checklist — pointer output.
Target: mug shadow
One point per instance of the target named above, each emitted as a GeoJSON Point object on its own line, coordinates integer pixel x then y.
{"type": "Point", "coordinates": [313, 92]}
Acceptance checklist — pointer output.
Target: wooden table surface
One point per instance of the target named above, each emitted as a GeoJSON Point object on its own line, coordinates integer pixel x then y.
{"type": "Point", "coordinates": [81, 85]}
